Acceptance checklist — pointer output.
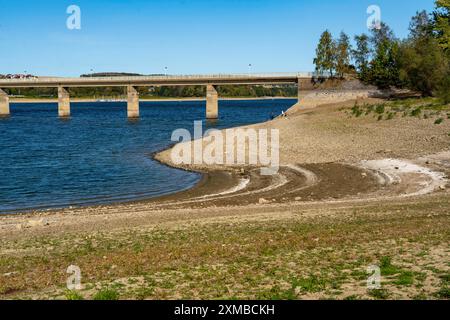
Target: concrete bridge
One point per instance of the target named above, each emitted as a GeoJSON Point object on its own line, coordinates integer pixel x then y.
{"type": "Point", "coordinates": [131, 83]}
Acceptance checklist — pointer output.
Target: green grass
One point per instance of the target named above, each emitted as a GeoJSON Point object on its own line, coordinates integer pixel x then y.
{"type": "Point", "coordinates": [443, 293]}
{"type": "Point", "coordinates": [380, 108]}
{"type": "Point", "coordinates": [247, 260]}
{"type": "Point", "coordinates": [357, 111]}
{"type": "Point", "coordinates": [439, 121]}
{"type": "Point", "coordinates": [106, 294]}
{"type": "Point", "coordinates": [425, 108]}
{"type": "Point", "coordinates": [73, 295]}
{"type": "Point", "coordinates": [391, 115]}
{"type": "Point", "coordinates": [380, 294]}
{"type": "Point", "coordinates": [309, 284]}
{"type": "Point", "coordinates": [406, 278]}
{"type": "Point", "coordinates": [416, 112]}
{"type": "Point", "coordinates": [352, 297]}
{"type": "Point", "coordinates": [387, 268]}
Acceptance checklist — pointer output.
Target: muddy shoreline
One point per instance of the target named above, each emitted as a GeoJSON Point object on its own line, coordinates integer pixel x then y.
{"type": "Point", "coordinates": [341, 180]}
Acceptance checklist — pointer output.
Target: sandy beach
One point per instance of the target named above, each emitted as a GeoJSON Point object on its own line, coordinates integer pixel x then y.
{"type": "Point", "coordinates": [350, 192]}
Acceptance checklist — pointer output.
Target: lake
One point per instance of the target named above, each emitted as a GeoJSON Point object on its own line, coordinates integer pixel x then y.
{"type": "Point", "coordinates": [98, 156]}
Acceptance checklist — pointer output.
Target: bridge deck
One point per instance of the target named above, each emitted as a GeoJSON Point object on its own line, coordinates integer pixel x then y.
{"type": "Point", "coordinates": [219, 79]}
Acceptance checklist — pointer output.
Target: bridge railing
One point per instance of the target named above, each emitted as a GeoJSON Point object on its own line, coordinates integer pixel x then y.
{"type": "Point", "coordinates": [171, 77]}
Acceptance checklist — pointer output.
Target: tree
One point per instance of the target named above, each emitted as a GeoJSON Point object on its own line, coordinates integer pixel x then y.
{"type": "Point", "coordinates": [384, 67]}
{"type": "Point", "coordinates": [420, 26]}
{"type": "Point", "coordinates": [361, 56]}
{"type": "Point", "coordinates": [384, 70]}
{"type": "Point", "coordinates": [442, 23]}
{"type": "Point", "coordinates": [380, 35]}
{"type": "Point", "coordinates": [325, 54]}
{"type": "Point", "coordinates": [423, 64]}
{"type": "Point", "coordinates": [443, 91]}
{"type": "Point", "coordinates": [343, 55]}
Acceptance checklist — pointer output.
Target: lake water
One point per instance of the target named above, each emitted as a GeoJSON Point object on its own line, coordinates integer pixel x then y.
{"type": "Point", "coordinates": [98, 156]}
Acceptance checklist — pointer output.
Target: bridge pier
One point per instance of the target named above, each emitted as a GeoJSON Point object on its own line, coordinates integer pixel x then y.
{"type": "Point", "coordinates": [212, 102]}
{"type": "Point", "coordinates": [4, 104]}
{"type": "Point", "coordinates": [132, 102]}
{"type": "Point", "coordinates": [63, 102]}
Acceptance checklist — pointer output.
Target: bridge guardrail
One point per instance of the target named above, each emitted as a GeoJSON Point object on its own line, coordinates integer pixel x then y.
{"type": "Point", "coordinates": [172, 77]}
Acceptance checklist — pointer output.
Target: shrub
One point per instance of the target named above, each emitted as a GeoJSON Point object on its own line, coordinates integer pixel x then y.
{"type": "Point", "coordinates": [380, 109]}
{"type": "Point", "coordinates": [439, 121]}
{"type": "Point", "coordinates": [356, 111]}
{"type": "Point", "coordinates": [73, 295]}
{"type": "Point", "coordinates": [416, 112]}
{"type": "Point", "coordinates": [106, 294]}
{"type": "Point", "coordinates": [443, 91]}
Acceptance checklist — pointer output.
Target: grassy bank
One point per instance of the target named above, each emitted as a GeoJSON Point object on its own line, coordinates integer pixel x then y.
{"type": "Point", "coordinates": [314, 253]}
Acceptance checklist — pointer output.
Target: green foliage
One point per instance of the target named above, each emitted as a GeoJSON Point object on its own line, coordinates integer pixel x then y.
{"type": "Point", "coordinates": [382, 46]}
{"type": "Point", "coordinates": [422, 62]}
{"type": "Point", "coordinates": [361, 55]}
{"type": "Point", "coordinates": [380, 108]}
{"type": "Point", "coordinates": [325, 60]}
{"type": "Point", "coordinates": [423, 65]}
{"type": "Point", "coordinates": [444, 292]}
{"type": "Point", "coordinates": [343, 55]}
{"type": "Point", "coordinates": [380, 294]}
{"type": "Point", "coordinates": [387, 268]}
{"type": "Point", "coordinates": [106, 294]}
{"type": "Point", "coordinates": [443, 90]}
{"type": "Point", "coordinates": [442, 23]}
{"type": "Point", "coordinates": [381, 35]}
{"type": "Point", "coordinates": [357, 111]}
{"type": "Point", "coordinates": [420, 26]}
{"type": "Point", "coordinates": [163, 92]}
{"type": "Point", "coordinates": [391, 115]}
{"type": "Point", "coordinates": [416, 112]}
{"type": "Point", "coordinates": [439, 121]}
{"type": "Point", "coordinates": [406, 278]}
{"type": "Point", "coordinates": [384, 71]}
{"type": "Point", "coordinates": [73, 295]}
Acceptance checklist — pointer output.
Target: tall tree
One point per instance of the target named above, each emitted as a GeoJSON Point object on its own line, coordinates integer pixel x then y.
{"type": "Point", "coordinates": [423, 64]}
{"type": "Point", "coordinates": [325, 54]}
{"type": "Point", "coordinates": [361, 56]}
{"type": "Point", "coordinates": [442, 23]}
{"type": "Point", "coordinates": [343, 55]}
{"type": "Point", "coordinates": [384, 67]}
{"type": "Point", "coordinates": [384, 71]}
{"type": "Point", "coordinates": [420, 26]}
{"type": "Point", "coordinates": [380, 35]}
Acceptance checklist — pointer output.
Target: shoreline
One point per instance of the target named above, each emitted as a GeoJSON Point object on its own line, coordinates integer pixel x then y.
{"type": "Point", "coordinates": [208, 174]}
{"type": "Point", "coordinates": [324, 205]}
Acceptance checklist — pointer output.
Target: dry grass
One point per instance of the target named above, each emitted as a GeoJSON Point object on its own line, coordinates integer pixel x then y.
{"type": "Point", "coordinates": [321, 255]}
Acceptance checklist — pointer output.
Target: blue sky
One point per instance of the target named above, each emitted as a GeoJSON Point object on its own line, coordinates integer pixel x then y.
{"type": "Point", "coordinates": [186, 36]}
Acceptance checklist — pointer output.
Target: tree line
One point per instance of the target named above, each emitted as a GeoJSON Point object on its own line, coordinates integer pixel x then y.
{"type": "Point", "coordinates": [421, 62]}
{"type": "Point", "coordinates": [161, 92]}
